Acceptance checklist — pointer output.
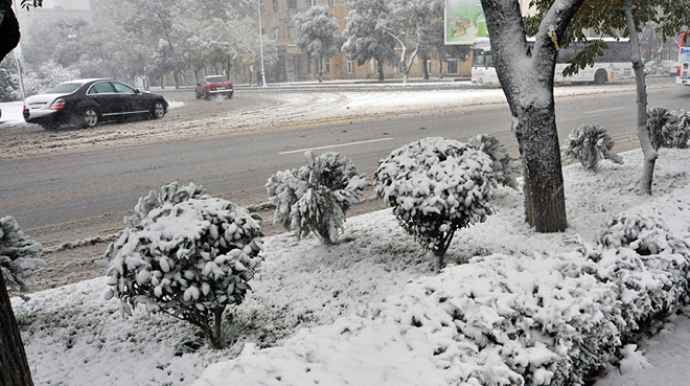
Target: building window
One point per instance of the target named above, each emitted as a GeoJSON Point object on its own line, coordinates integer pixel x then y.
{"type": "Point", "coordinates": [428, 66]}
{"type": "Point", "coordinates": [275, 6]}
{"type": "Point", "coordinates": [312, 3]}
{"type": "Point", "coordinates": [292, 34]}
{"type": "Point", "coordinates": [331, 3]}
{"type": "Point", "coordinates": [292, 4]}
{"type": "Point", "coordinates": [350, 67]}
{"type": "Point", "coordinates": [452, 66]}
{"type": "Point", "coordinates": [327, 66]}
{"type": "Point", "coordinates": [276, 33]}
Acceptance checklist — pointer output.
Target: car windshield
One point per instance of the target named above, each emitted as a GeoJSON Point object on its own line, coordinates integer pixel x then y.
{"type": "Point", "coordinates": [215, 79]}
{"type": "Point", "coordinates": [64, 88]}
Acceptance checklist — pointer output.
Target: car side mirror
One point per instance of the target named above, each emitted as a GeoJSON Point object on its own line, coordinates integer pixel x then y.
{"type": "Point", "coordinates": [136, 90]}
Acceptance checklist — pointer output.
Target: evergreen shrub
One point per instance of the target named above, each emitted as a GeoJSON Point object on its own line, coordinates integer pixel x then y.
{"type": "Point", "coordinates": [436, 186]}
{"type": "Point", "coordinates": [315, 197]}
{"type": "Point", "coordinates": [19, 255]}
{"type": "Point", "coordinates": [590, 144]}
{"type": "Point", "coordinates": [186, 255]}
{"type": "Point", "coordinates": [505, 167]}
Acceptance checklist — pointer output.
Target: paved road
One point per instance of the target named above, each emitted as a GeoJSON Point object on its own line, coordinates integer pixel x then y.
{"type": "Point", "coordinates": [71, 197]}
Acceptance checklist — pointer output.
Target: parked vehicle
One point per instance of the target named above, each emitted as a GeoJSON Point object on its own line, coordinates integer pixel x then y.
{"type": "Point", "coordinates": [214, 85]}
{"type": "Point", "coordinates": [87, 102]}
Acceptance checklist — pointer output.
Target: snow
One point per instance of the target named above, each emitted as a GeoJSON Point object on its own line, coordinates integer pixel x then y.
{"type": "Point", "coordinates": [12, 113]}
{"type": "Point", "coordinates": [350, 312]}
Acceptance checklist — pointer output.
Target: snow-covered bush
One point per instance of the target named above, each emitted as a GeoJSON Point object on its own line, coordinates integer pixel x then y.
{"type": "Point", "coordinates": [436, 186]}
{"type": "Point", "coordinates": [504, 166]}
{"type": "Point", "coordinates": [681, 135]}
{"type": "Point", "coordinates": [19, 255]}
{"type": "Point", "coordinates": [590, 144]}
{"type": "Point", "coordinates": [171, 193]}
{"type": "Point", "coordinates": [662, 126]}
{"type": "Point", "coordinates": [186, 257]}
{"type": "Point", "coordinates": [649, 263]}
{"type": "Point", "coordinates": [316, 197]}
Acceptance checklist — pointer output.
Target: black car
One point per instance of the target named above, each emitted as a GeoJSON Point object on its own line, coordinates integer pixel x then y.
{"type": "Point", "coordinates": [86, 102]}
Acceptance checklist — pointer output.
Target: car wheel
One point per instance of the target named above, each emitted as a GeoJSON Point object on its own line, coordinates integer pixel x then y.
{"type": "Point", "coordinates": [600, 77]}
{"type": "Point", "coordinates": [158, 110]}
{"type": "Point", "coordinates": [90, 117]}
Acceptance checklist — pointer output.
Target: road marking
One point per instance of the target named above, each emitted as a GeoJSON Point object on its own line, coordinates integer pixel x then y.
{"type": "Point", "coordinates": [604, 111]}
{"type": "Point", "coordinates": [332, 146]}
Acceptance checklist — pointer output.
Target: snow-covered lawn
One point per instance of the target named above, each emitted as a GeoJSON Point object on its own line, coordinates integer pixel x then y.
{"type": "Point", "coordinates": [329, 314]}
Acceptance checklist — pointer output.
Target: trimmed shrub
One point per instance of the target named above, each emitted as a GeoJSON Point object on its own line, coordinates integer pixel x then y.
{"type": "Point", "coordinates": [661, 124]}
{"type": "Point", "coordinates": [189, 259]}
{"type": "Point", "coordinates": [19, 256]}
{"type": "Point", "coordinates": [436, 186]}
{"type": "Point", "coordinates": [316, 197]}
{"type": "Point", "coordinates": [590, 145]}
{"type": "Point", "coordinates": [505, 167]}
{"type": "Point", "coordinates": [172, 193]}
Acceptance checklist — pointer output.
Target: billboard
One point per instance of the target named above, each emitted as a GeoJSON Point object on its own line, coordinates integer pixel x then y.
{"type": "Point", "coordinates": [464, 21]}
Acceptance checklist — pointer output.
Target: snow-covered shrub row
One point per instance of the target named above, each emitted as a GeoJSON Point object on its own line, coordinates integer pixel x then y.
{"type": "Point", "coordinates": [650, 262]}
{"type": "Point", "coordinates": [590, 144]}
{"type": "Point", "coordinates": [504, 166]}
{"type": "Point", "coordinates": [497, 321]}
{"type": "Point", "coordinates": [190, 259]}
{"type": "Point", "coordinates": [19, 255]}
{"type": "Point", "coordinates": [316, 197]}
{"type": "Point", "coordinates": [436, 186]}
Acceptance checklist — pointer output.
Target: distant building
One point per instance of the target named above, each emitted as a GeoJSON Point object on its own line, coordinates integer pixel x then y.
{"type": "Point", "coordinates": [293, 65]}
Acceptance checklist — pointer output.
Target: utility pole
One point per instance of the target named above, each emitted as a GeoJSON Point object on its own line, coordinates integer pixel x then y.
{"type": "Point", "coordinates": [17, 51]}
{"type": "Point", "coordinates": [261, 47]}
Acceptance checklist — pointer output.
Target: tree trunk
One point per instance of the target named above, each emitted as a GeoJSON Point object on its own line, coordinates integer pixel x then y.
{"type": "Point", "coordinates": [526, 76]}
{"type": "Point", "coordinates": [319, 66]}
{"type": "Point", "coordinates": [14, 368]}
{"type": "Point", "coordinates": [650, 154]}
{"type": "Point", "coordinates": [426, 69]}
{"type": "Point", "coordinates": [379, 66]}
{"type": "Point", "coordinates": [541, 158]}
{"type": "Point", "coordinates": [440, 68]}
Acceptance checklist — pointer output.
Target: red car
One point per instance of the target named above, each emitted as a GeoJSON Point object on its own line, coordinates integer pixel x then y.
{"type": "Point", "coordinates": [214, 85]}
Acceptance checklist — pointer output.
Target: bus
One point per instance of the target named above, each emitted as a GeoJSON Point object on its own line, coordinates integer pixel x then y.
{"type": "Point", "coordinates": [614, 65]}
{"type": "Point", "coordinates": [683, 72]}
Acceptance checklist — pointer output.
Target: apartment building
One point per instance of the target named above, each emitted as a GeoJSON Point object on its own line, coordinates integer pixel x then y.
{"type": "Point", "coordinates": [294, 65]}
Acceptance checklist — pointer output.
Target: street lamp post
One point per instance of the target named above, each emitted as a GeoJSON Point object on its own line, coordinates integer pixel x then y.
{"type": "Point", "coordinates": [17, 55]}
{"type": "Point", "coordinates": [261, 47]}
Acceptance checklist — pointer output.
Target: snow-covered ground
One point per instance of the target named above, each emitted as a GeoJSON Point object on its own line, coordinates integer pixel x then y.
{"type": "Point", "coordinates": [305, 292]}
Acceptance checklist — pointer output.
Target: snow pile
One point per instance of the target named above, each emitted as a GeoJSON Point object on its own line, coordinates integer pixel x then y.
{"type": "Point", "coordinates": [316, 197]}
{"type": "Point", "coordinates": [436, 186]}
